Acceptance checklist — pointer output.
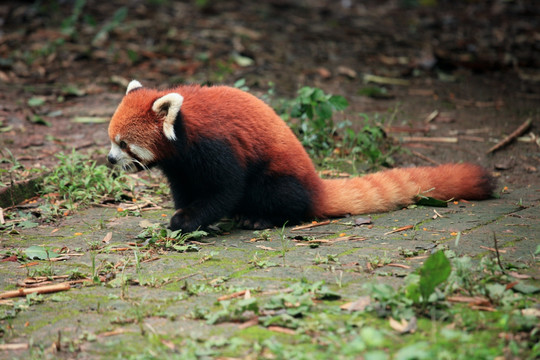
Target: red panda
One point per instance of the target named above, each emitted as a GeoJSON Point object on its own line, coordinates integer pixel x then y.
{"type": "Point", "coordinates": [226, 153]}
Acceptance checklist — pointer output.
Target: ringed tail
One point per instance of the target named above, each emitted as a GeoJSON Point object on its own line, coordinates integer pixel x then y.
{"type": "Point", "coordinates": [390, 189]}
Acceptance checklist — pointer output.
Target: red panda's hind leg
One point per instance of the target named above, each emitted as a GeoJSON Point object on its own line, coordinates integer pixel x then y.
{"type": "Point", "coordinates": [273, 200]}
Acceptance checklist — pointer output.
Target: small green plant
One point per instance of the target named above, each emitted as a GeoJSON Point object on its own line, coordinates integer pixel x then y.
{"type": "Point", "coordinates": [118, 17]}
{"type": "Point", "coordinates": [76, 274]}
{"type": "Point", "coordinates": [282, 309]}
{"type": "Point", "coordinates": [167, 239]}
{"type": "Point", "coordinates": [314, 109]}
{"type": "Point", "coordinates": [330, 258]}
{"type": "Point", "coordinates": [426, 290]}
{"type": "Point", "coordinates": [376, 92]}
{"type": "Point", "coordinates": [284, 242]}
{"type": "Point", "coordinates": [78, 181]}
{"type": "Point", "coordinates": [311, 116]}
{"type": "Point", "coordinates": [11, 170]}
{"type": "Point", "coordinates": [241, 84]}
{"type": "Point", "coordinates": [375, 261]}
{"type": "Point", "coordinates": [69, 24]}
{"type": "Point", "coordinates": [369, 142]}
{"type": "Point", "coordinates": [434, 272]}
{"type": "Point", "coordinates": [261, 263]}
{"type": "Point", "coordinates": [264, 235]}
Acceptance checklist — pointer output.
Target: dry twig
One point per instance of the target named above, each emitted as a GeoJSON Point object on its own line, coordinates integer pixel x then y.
{"type": "Point", "coordinates": [436, 139]}
{"type": "Point", "coordinates": [312, 225]}
{"type": "Point", "coordinates": [233, 295]}
{"type": "Point", "coordinates": [424, 157]}
{"type": "Point", "coordinates": [40, 290]}
{"type": "Point", "coordinates": [520, 130]}
{"type": "Point", "coordinates": [497, 252]}
{"type": "Point", "coordinates": [403, 228]}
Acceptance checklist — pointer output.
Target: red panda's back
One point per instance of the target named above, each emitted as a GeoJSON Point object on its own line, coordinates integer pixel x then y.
{"type": "Point", "coordinates": [251, 127]}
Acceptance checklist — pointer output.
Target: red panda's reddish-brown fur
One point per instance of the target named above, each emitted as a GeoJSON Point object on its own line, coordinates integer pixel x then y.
{"type": "Point", "coordinates": [385, 190]}
{"type": "Point", "coordinates": [273, 161]}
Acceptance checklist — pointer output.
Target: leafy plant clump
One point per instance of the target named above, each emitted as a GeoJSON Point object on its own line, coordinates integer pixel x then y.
{"type": "Point", "coordinates": [156, 235]}
{"type": "Point", "coordinates": [12, 171]}
{"type": "Point", "coordinates": [315, 110]}
{"type": "Point", "coordinates": [283, 309]}
{"type": "Point", "coordinates": [434, 290]}
{"type": "Point", "coordinates": [78, 181]}
{"type": "Point", "coordinates": [311, 115]}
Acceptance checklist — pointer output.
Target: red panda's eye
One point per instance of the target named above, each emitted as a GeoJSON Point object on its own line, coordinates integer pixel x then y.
{"type": "Point", "coordinates": [123, 144]}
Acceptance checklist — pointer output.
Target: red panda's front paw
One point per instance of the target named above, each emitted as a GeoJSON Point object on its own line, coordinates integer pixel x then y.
{"type": "Point", "coordinates": [180, 221]}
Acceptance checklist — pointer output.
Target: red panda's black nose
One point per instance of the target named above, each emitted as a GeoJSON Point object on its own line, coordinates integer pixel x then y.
{"type": "Point", "coordinates": [111, 159]}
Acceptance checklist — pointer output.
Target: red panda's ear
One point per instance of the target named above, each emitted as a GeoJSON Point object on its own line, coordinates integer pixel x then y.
{"type": "Point", "coordinates": [133, 84]}
{"type": "Point", "coordinates": [169, 105]}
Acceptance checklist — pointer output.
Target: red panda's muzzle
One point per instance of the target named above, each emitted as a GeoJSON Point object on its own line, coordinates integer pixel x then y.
{"type": "Point", "coordinates": [111, 159]}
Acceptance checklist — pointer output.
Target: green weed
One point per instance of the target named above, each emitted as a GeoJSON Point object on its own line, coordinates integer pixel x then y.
{"type": "Point", "coordinates": [369, 142]}
{"type": "Point", "coordinates": [118, 17]}
{"type": "Point", "coordinates": [264, 235]}
{"type": "Point", "coordinates": [69, 24]}
{"type": "Point", "coordinates": [314, 109]}
{"type": "Point", "coordinates": [156, 235]}
{"type": "Point", "coordinates": [311, 116]}
{"type": "Point", "coordinates": [259, 263]}
{"type": "Point", "coordinates": [12, 171]}
{"type": "Point", "coordinates": [78, 181]}
{"type": "Point", "coordinates": [425, 291]}
{"type": "Point", "coordinates": [284, 242]}
{"type": "Point", "coordinates": [279, 310]}
{"type": "Point", "coordinates": [329, 258]}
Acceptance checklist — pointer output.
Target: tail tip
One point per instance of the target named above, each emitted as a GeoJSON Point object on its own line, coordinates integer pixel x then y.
{"type": "Point", "coordinates": [486, 183]}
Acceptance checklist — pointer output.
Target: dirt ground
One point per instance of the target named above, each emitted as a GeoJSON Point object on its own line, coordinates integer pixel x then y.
{"type": "Point", "coordinates": [475, 64]}
{"type": "Point", "coordinates": [451, 80]}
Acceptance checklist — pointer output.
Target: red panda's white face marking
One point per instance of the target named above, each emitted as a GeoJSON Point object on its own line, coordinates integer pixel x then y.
{"type": "Point", "coordinates": [128, 156]}
{"type": "Point", "coordinates": [142, 153]}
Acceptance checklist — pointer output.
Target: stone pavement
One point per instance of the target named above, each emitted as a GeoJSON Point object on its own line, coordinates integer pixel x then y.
{"type": "Point", "coordinates": [91, 313]}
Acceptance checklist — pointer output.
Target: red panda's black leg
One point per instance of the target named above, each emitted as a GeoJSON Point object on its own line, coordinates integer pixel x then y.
{"type": "Point", "coordinates": [203, 212]}
{"type": "Point", "coordinates": [207, 182]}
{"type": "Point", "coordinates": [273, 200]}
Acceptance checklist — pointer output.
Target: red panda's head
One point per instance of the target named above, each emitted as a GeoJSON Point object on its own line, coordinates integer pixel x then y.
{"type": "Point", "coordinates": [142, 128]}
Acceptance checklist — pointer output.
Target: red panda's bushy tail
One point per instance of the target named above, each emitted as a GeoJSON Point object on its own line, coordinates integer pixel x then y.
{"type": "Point", "coordinates": [387, 190]}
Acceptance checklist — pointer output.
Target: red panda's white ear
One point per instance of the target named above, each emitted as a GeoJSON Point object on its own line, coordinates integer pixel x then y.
{"type": "Point", "coordinates": [133, 84]}
{"type": "Point", "coordinates": [169, 104]}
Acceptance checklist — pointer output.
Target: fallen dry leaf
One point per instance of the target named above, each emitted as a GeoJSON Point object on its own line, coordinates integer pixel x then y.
{"type": "Point", "coordinates": [169, 344]}
{"type": "Point", "coordinates": [403, 326]}
{"type": "Point", "coordinates": [472, 300]}
{"type": "Point", "coordinates": [518, 275]}
{"type": "Point", "coordinates": [265, 247]}
{"type": "Point", "coordinates": [107, 238]}
{"type": "Point", "coordinates": [531, 312]}
{"type": "Point", "coordinates": [343, 70]}
{"type": "Point", "coordinates": [145, 224]}
{"type": "Point", "coordinates": [282, 330]}
{"type": "Point", "coordinates": [358, 305]}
